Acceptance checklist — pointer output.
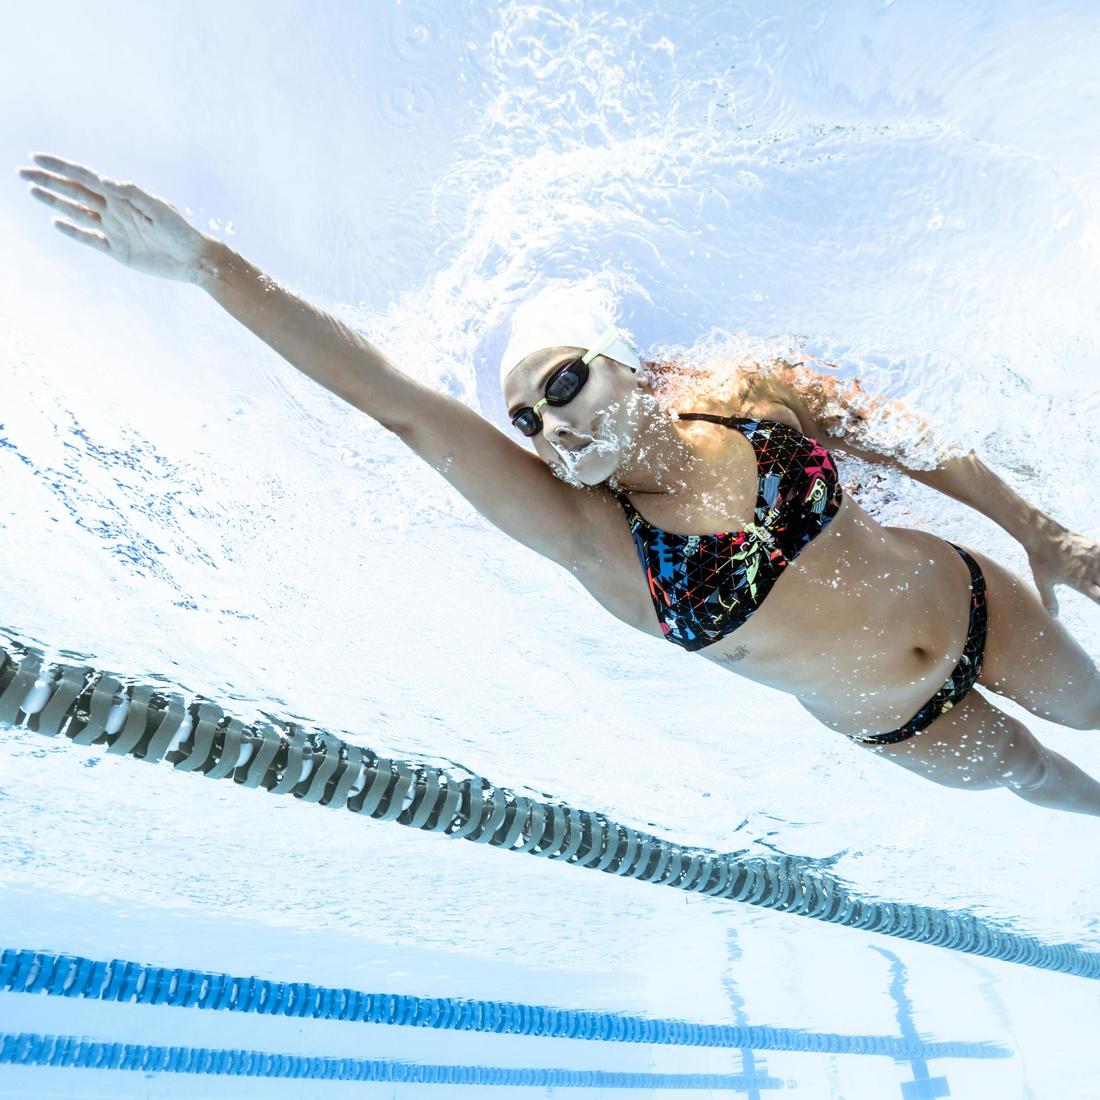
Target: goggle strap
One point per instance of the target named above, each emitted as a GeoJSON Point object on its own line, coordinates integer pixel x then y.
{"type": "Point", "coordinates": [605, 341]}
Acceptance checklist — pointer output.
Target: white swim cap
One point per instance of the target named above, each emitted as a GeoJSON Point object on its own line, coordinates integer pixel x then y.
{"type": "Point", "coordinates": [570, 317]}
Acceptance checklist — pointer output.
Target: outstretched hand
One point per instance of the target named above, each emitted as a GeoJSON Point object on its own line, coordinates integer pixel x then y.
{"type": "Point", "coordinates": [1061, 556]}
{"type": "Point", "coordinates": [138, 229]}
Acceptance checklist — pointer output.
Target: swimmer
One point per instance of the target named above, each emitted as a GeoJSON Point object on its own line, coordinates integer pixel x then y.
{"type": "Point", "coordinates": [725, 531]}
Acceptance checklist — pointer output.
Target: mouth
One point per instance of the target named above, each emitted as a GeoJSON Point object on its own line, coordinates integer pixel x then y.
{"type": "Point", "coordinates": [572, 456]}
{"type": "Point", "coordinates": [584, 447]}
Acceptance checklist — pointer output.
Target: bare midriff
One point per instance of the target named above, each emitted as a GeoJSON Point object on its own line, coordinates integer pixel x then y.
{"type": "Point", "coordinates": [862, 627]}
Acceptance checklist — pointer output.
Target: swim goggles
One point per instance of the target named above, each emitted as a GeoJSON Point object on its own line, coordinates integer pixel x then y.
{"type": "Point", "coordinates": [569, 379]}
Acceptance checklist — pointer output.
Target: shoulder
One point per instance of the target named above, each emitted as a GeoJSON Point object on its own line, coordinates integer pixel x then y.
{"type": "Point", "coordinates": [814, 392]}
{"type": "Point", "coordinates": [784, 413]}
{"type": "Point", "coordinates": [798, 393]}
{"type": "Point", "coordinates": [772, 392]}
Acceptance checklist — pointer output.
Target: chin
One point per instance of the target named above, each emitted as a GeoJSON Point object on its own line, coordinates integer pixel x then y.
{"type": "Point", "coordinates": [597, 469]}
{"type": "Point", "coordinates": [586, 473]}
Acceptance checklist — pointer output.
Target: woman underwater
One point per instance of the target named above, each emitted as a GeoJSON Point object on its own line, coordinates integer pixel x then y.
{"type": "Point", "coordinates": [727, 535]}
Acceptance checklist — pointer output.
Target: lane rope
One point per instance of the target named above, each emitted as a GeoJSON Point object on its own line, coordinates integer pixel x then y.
{"type": "Point", "coordinates": [95, 708]}
{"type": "Point", "coordinates": [123, 981]}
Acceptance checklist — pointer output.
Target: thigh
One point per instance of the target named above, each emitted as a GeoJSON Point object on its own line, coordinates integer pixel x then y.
{"type": "Point", "coordinates": [973, 746]}
{"type": "Point", "coordinates": [1030, 657]}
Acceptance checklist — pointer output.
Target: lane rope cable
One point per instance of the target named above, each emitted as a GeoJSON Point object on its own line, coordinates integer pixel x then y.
{"type": "Point", "coordinates": [96, 708]}
{"type": "Point", "coordinates": [124, 981]}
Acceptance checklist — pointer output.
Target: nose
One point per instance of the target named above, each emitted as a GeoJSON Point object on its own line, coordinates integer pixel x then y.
{"type": "Point", "coordinates": [562, 434]}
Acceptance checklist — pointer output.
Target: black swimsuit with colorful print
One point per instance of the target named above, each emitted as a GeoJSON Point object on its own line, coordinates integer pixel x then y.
{"type": "Point", "coordinates": [705, 586]}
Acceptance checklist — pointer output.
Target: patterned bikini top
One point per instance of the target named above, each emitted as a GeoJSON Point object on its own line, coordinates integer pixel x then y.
{"type": "Point", "coordinates": [705, 586]}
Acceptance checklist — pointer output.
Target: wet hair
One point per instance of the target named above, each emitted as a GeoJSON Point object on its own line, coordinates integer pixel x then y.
{"type": "Point", "coordinates": [743, 385]}
{"type": "Point", "coordinates": [728, 387]}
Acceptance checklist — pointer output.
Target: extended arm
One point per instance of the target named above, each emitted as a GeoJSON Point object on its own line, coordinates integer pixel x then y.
{"type": "Point", "coordinates": [838, 415]}
{"type": "Point", "coordinates": [507, 484]}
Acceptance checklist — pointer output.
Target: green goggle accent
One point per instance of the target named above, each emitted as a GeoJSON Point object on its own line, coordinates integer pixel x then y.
{"type": "Point", "coordinates": [563, 385]}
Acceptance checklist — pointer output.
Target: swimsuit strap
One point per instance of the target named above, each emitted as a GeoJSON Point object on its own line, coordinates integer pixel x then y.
{"type": "Point", "coordinates": [735, 423]}
{"type": "Point", "coordinates": [714, 418]}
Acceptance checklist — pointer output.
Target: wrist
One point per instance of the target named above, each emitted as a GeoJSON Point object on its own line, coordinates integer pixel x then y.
{"type": "Point", "coordinates": [1041, 528]}
{"type": "Point", "coordinates": [211, 264]}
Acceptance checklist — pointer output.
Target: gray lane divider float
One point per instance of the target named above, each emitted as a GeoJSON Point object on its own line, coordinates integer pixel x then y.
{"type": "Point", "coordinates": [94, 708]}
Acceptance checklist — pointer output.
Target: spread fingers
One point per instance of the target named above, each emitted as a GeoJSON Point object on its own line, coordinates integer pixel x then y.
{"type": "Point", "coordinates": [81, 215]}
{"type": "Point", "coordinates": [62, 186]}
{"type": "Point", "coordinates": [69, 168]}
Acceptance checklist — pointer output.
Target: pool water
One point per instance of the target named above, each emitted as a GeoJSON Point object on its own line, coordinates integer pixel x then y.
{"type": "Point", "coordinates": [911, 192]}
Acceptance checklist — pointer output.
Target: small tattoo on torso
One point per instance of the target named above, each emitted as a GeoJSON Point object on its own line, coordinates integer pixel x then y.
{"type": "Point", "coordinates": [736, 655]}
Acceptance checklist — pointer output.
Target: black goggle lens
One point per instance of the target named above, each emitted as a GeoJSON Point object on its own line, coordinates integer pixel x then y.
{"type": "Point", "coordinates": [561, 387]}
{"type": "Point", "coordinates": [528, 421]}
{"type": "Point", "coordinates": [564, 384]}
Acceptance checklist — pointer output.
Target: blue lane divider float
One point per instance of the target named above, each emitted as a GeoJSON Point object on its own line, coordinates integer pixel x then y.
{"type": "Point", "coordinates": [28, 1049]}
{"type": "Point", "coordinates": [25, 971]}
{"type": "Point", "coordinates": [89, 707]}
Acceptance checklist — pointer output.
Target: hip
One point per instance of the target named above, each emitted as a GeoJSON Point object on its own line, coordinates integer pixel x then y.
{"type": "Point", "coordinates": [864, 626]}
{"type": "Point", "coordinates": [902, 655]}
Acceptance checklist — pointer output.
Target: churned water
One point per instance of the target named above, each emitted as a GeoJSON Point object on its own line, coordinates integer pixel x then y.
{"type": "Point", "coordinates": [910, 191]}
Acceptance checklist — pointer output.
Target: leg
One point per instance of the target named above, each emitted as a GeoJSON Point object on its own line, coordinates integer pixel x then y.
{"type": "Point", "coordinates": [1031, 658]}
{"type": "Point", "coordinates": [976, 746]}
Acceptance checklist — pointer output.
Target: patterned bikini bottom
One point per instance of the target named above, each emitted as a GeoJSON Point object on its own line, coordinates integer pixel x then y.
{"type": "Point", "coordinates": [966, 671]}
